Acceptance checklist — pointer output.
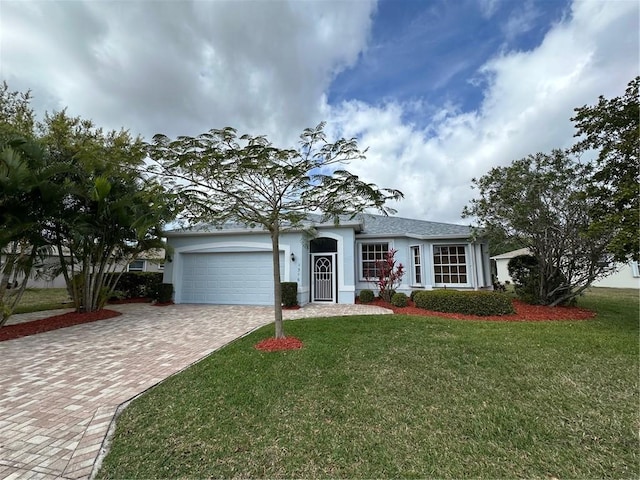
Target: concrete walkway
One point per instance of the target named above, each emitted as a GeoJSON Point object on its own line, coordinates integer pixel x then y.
{"type": "Point", "coordinates": [59, 390]}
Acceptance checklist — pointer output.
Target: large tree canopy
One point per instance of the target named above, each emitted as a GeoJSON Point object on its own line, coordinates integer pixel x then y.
{"type": "Point", "coordinates": [611, 127]}
{"type": "Point", "coordinates": [107, 213]}
{"type": "Point", "coordinates": [540, 202]}
{"type": "Point", "coordinates": [26, 190]}
{"type": "Point", "coordinates": [225, 178]}
{"type": "Point", "coordinates": [65, 183]}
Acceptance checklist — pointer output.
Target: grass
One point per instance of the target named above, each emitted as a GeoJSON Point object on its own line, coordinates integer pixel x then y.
{"type": "Point", "coordinates": [400, 396]}
{"type": "Point", "coordinates": [38, 299]}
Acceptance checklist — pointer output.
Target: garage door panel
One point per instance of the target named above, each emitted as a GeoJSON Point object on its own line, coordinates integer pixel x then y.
{"type": "Point", "coordinates": [228, 278]}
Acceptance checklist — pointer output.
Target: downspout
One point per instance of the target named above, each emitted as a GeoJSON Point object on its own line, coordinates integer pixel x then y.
{"type": "Point", "coordinates": [475, 267]}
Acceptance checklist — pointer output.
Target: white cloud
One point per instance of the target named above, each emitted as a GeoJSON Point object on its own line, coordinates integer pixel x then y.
{"type": "Point", "coordinates": [528, 101]}
{"type": "Point", "coordinates": [488, 7]}
{"type": "Point", "coordinates": [521, 21]}
{"type": "Point", "coordinates": [266, 67]}
{"type": "Point", "coordinates": [183, 67]}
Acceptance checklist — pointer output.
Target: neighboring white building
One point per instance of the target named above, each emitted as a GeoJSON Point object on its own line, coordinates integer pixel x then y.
{"type": "Point", "coordinates": [152, 261]}
{"type": "Point", "coordinates": [626, 275]}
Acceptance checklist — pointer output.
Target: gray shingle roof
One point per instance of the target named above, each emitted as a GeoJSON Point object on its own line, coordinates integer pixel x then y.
{"type": "Point", "coordinates": [397, 226]}
{"type": "Point", "coordinates": [371, 225]}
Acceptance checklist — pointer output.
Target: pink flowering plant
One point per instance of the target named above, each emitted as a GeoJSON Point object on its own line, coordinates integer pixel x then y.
{"type": "Point", "coordinates": [389, 273]}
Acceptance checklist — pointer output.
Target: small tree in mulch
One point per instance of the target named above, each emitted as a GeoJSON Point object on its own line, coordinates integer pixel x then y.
{"type": "Point", "coordinates": [279, 344]}
{"type": "Point", "coordinates": [388, 275]}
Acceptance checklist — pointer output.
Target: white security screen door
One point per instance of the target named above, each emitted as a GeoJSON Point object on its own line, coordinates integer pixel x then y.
{"type": "Point", "coordinates": [323, 283]}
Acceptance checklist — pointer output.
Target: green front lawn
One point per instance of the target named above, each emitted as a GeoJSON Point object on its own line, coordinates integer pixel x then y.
{"type": "Point", "coordinates": [400, 396]}
{"type": "Point", "coordinates": [37, 299]}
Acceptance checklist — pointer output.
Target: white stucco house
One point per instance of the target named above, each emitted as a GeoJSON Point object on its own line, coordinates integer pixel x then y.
{"type": "Point", "coordinates": [626, 275]}
{"type": "Point", "coordinates": [233, 264]}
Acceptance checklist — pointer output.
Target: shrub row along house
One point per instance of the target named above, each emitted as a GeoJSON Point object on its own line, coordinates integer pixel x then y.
{"type": "Point", "coordinates": [233, 264]}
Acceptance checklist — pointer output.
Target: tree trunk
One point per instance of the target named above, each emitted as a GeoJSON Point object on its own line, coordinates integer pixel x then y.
{"type": "Point", "coordinates": [277, 287]}
{"type": "Point", "coordinates": [9, 301]}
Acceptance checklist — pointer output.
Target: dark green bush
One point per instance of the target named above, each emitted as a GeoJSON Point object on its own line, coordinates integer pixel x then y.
{"type": "Point", "coordinates": [531, 286]}
{"type": "Point", "coordinates": [525, 273]}
{"type": "Point", "coordinates": [399, 300]}
{"type": "Point", "coordinates": [412, 295]}
{"type": "Point", "coordinates": [366, 296]}
{"type": "Point", "coordinates": [469, 303]}
{"type": "Point", "coordinates": [289, 294]}
{"type": "Point", "coordinates": [139, 284]}
{"type": "Point", "coordinates": [163, 293]}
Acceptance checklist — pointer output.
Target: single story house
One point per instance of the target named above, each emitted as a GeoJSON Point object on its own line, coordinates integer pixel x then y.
{"type": "Point", "coordinates": [626, 275]}
{"type": "Point", "coordinates": [232, 264]}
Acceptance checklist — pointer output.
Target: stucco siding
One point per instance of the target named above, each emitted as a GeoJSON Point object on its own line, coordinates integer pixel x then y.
{"type": "Point", "coordinates": [476, 256]}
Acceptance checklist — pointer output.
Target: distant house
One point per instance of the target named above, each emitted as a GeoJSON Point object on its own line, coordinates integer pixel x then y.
{"type": "Point", "coordinates": [43, 276]}
{"type": "Point", "coordinates": [626, 275]}
{"type": "Point", "coordinates": [233, 264]}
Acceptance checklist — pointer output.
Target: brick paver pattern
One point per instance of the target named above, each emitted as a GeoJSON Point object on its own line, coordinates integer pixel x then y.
{"type": "Point", "coordinates": [59, 390]}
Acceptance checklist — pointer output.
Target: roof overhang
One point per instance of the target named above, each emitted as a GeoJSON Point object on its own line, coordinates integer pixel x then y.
{"type": "Point", "coordinates": [355, 225]}
{"type": "Point", "coordinates": [415, 237]}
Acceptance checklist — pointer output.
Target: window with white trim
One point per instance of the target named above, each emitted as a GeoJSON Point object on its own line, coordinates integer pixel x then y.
{"type": "Point", "coordinates": [635, 271]}
{"type": "Point", "coordinates": [449, 264]}
{"type": "Point", "coordinates": [136, 266]}
{"type": "Point", "coordinates": [416, 265]}
{"type": "Point", "coordinates": [370, 255]}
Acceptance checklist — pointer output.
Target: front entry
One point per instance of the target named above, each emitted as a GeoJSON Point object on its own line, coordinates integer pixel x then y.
{"type": "Point", "coordinates": [323, 285]}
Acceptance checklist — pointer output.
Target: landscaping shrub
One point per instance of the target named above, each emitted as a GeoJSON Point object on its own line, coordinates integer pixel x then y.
{"type": "Point", "coordinates": [289, 294]}
{"type": "Point", "coordinates": [139, 284]}
{"type": "Point", "coordinates": [469, 303]}
{"type": "Point", "coordinates": [389, 275]}
{"type": "Point", "coordinates": [498, 286]}
{"type": "Point", "coordinates": [163, 293]}
{"type": "Point", "coordinates": [413, 294]}
{"type": "Point", "coordinates": [399, 300]}
{"type": "Point", "coordinates": [366, 296]}
{"type": "Point", "coordinates": [531, 286]}
{"type": "Point", "coordinates": [524, 271]}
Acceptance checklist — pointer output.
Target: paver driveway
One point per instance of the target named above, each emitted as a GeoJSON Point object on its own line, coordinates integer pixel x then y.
{"type": "Point", "coordinates": [59, 390]}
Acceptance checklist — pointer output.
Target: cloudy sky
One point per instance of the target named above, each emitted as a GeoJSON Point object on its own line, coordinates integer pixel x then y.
{"type": "Point", "coordinates": [439, 90]}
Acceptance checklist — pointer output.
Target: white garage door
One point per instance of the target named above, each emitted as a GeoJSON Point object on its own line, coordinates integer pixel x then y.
{"type": "Point", "coordinates": [241, 278]}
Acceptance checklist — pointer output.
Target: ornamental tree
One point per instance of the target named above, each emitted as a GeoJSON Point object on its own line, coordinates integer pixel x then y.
{"type": "Point", "coordinates": [541, 202]}
{"type": "Point", "coordinates": [611, 127]}
{"type": "Point", "coordinates": [66, 184]}
{"type": "Point", "coordinates": [388, 275]}
{"type": "Point", "coordinates": [107, 212]}
{"type": "Point", "coordinates": [222, 178]}
{"type": "Point", "coordinates": [26, 189]}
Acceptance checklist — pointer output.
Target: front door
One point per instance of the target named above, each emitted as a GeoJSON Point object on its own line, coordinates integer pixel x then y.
{"type": "Point", "coordinates": [322, 281]}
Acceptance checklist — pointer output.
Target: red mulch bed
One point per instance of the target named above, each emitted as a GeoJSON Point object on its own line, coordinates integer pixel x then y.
{"type": "Point", "coordinates": [130, 300]}
{"type": "Point", "coordinates": [524, 312]}
{"type": "Point", "coordinates": [10, 332]}
{"type": "Point", "coordinates": [279, 344]}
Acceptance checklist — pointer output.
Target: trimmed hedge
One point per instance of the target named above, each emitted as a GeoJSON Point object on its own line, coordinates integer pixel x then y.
{"type": "Point", "coordinates": [139, 284]}
{"type": "Point", "coordinates": [468, 303]}
{"type": "Point", "coordinates": [399, 300]}
{"type": "Point", "coordinates": [413, 294]}
{"type": "Point", "coordinates": [366, 296]}
{"type": "Point", "coordinates": [289, 294]}
{"type": "Point", "coordinates": [163, 293]}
